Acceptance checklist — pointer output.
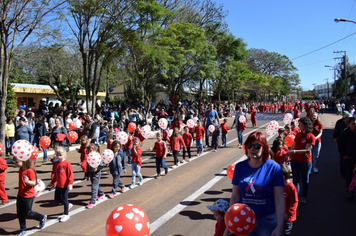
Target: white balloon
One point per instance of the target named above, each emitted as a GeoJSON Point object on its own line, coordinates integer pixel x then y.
{"type": "Point", "coordinates": [94, 159]}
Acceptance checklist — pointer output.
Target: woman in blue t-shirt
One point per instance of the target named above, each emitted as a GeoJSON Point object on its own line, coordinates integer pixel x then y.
{"type": "Point", "coordinates": [258, 183]}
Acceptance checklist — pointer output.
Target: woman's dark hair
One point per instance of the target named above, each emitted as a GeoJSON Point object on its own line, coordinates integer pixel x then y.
{"type": "Point", "coordinates": [258, 136]}
{"type": "Point", "coordinates": [276, 143]}
{"type": "Point", "coordinates": [308, 124]}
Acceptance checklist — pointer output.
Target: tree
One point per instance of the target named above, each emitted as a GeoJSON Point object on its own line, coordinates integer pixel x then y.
{"type": "Point", "coordinates": [146, 58]}
{"type": "Point", "coordinates": [11, 102]}
{"type": "Point", "coordinates": [231, 52]}
{"type": "Point", "coordinates": [100, 28]}
{"type": "Point", "coordinates": [60, 68]}
{"type": "Point", "coordinates": [19, 19]}
{"type": "Point", "coordinates": [273, 64]}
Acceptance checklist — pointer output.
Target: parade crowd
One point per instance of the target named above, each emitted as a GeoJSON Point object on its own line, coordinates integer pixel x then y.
{"type": "Point", "coordinates": [266, 168]}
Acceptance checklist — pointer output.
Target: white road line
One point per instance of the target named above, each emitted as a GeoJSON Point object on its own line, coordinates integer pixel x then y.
{"type": "Point", "coordinates": [179, 207]}
{"type": "Point", "coordinates": [161, 220]}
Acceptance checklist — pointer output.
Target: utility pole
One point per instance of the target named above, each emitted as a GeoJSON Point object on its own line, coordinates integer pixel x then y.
{"type": "Point", "coordinates": [344, 75]}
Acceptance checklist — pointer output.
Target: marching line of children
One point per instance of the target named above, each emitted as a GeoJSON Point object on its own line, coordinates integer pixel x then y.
{"type": "Point", "coordinates": [62, 172]}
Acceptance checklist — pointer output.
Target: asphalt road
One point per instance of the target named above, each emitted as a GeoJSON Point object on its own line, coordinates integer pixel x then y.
{"type": "Point", "coordinates": [176, 204]}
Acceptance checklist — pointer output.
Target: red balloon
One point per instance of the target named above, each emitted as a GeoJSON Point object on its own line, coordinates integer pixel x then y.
{"type": "Point", "coordinates": [230, 171]}
{"type": "Point", "coordinates": [72, 136]}
{"type": "Point", "coordinates": [45, 141]}
{"type": "Point", "coordinates": [132, 127]}
{"type": "Point", "coordinates": [72, 125]}
{"type": "Point", "coordinates": [1, 148]}
{"type": "Point", "coordinates": [240, 219]}
{"type": "Point", "coordinates": [34, 153]}
{"type": "Point", "coordinates": [289, 140]}
{"type": "Point", "coordinates": [127, 220]}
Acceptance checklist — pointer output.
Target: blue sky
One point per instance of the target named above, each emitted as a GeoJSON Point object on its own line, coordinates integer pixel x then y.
{"type": "Point", "coordinates": [294, 28]}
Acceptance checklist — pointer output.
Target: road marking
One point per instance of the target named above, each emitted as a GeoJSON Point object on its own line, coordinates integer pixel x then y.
{"type": "Point", "coordinates": [161, 220]}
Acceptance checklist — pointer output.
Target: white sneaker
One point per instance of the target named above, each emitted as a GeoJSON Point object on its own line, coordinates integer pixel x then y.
{"type": "Point", "coordinates": [64, 218]}
{"type": "Point", "coordinates": [140, 183]}
{"type": "Point", "coordinates": [315, 170]}
{"type": "Point", "coordinates": [174, 166]}
{"type": "Point", "coordinates": [182, 161]}
{"type": "Point", "coordinates": [70, 205]}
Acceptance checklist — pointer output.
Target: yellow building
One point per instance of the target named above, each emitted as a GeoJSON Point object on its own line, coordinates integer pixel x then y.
{"type": "Point", "coordinates": [31, 93]}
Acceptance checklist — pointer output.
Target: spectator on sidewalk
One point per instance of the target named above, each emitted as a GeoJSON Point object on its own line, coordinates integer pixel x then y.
{"type": "Point", "coordinates": [347, 148]}
{"type": "Point", "coordinates": [23, 131]}
{"type": "Point", "coordinates": [340, 125]}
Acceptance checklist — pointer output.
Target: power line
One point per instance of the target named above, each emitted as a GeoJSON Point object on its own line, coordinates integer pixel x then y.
{"type": "Point", "coordinates": [323, 47]}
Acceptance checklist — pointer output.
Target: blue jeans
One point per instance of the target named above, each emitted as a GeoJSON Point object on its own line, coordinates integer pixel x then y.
{"type": "Point", "coordinates": [199, 143]}
{"type": "Point", "coordinates": [116, 182]}
{"type": "Point", "coordinates": [240, 135]}
{"type": "Point", "coordinates": [315, 154]}
{"type": "Point", "coordinates": [223, 139]}
{"type": "Point", "coordinates": [102, 139]}
{"type": "Point", "coordinates": [160, 161]}
{"type": "Point", "coordinates": [136, 170]}
{"type": "Point", "coordinates": [207, 136]}
{"type": "Point", "coordinates": [264, 225]}
{"type": "Point", "coordinates": [127, 152]}
{"type": "Point", "coordinates": [301, 171]}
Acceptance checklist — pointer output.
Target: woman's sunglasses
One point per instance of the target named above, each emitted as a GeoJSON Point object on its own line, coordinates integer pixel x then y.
{"type": "Point", "coordinates": [256, 146]}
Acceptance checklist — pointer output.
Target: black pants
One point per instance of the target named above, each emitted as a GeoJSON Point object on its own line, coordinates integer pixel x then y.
{"type": "Point", "coordinates": [24, 210]}
{"type": "Point", "coordinates": [175, 157]}
{"type": "Point", "coordinates": [61, 196]}
{"type": "Point", "coordinates": [349, 166]}
{"type": "Point", "coordinates": [187, 150]}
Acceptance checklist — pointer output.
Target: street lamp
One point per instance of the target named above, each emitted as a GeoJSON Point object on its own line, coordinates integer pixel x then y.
{"type": "Point", "coordinates": [337, 20]}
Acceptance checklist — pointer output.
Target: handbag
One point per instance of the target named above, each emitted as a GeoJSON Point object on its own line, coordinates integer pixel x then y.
{"type": "Point", "coordinates": [60, 137]}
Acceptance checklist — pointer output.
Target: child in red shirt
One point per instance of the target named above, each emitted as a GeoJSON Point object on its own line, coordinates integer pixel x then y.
{"type": "Point", "coordinates": [188, 141]}
{"type": "Point", "coordinates": [291, 201]}
{"type": "Point", "coordinates": [136, 165]}
{"type": "Point", "coordinates": [83, 150]}
{"type": "Point", "coordinates": [138, 134]}
{"type": "Point", "coordinates": [63, 176]}
{"type": "Point", "coordinates": [279, 151]}
{"type": "Point", "coordinates": [224, 132]}
{"type": "Point", "coordinates": [127, 148]}
{"type": "Point", "coordinates": [26, 195]}
{"type": "Point", "coordinates": [219, 209]}
{"type": "Point", "coordinates": [175, 141]}
{"type": "Point", "coordinates": [161, 152]}
{"type": "Point", "coordinates": [109, 140]}
{"type": "Point", "coordinates": [3, 196]}
{"type": "Point", "coordinates": [199, 131]}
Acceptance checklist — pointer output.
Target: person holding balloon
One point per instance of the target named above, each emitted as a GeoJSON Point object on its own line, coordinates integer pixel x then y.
{"type": "Point", "coordinates": [117, 166]}
{"type": "Point", "coordinates": [301, 156]}
{"type": "Point", "coordinates": [127, 148]}
{"type": "Point", "coordinates": [62, 175]}
{"type": "Point", "coordinates": [240, 124]}
{"type": "Point", "coordinates": [175, 142]}
{"type": "Point", "coordinates": [219, 209]}
{"type": "Point", "coordinates": [199, 132]}
{"type": "Point", "coordinates": [94, 174]}
{"type": "Point", "coordinates": [224, 132]}
{"type": "Point", "coordinates": [26, 195]}
{"type": "Point", "coordinates": [258, 183]}
{"type": "Point", "coordinates": [83, 150]}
